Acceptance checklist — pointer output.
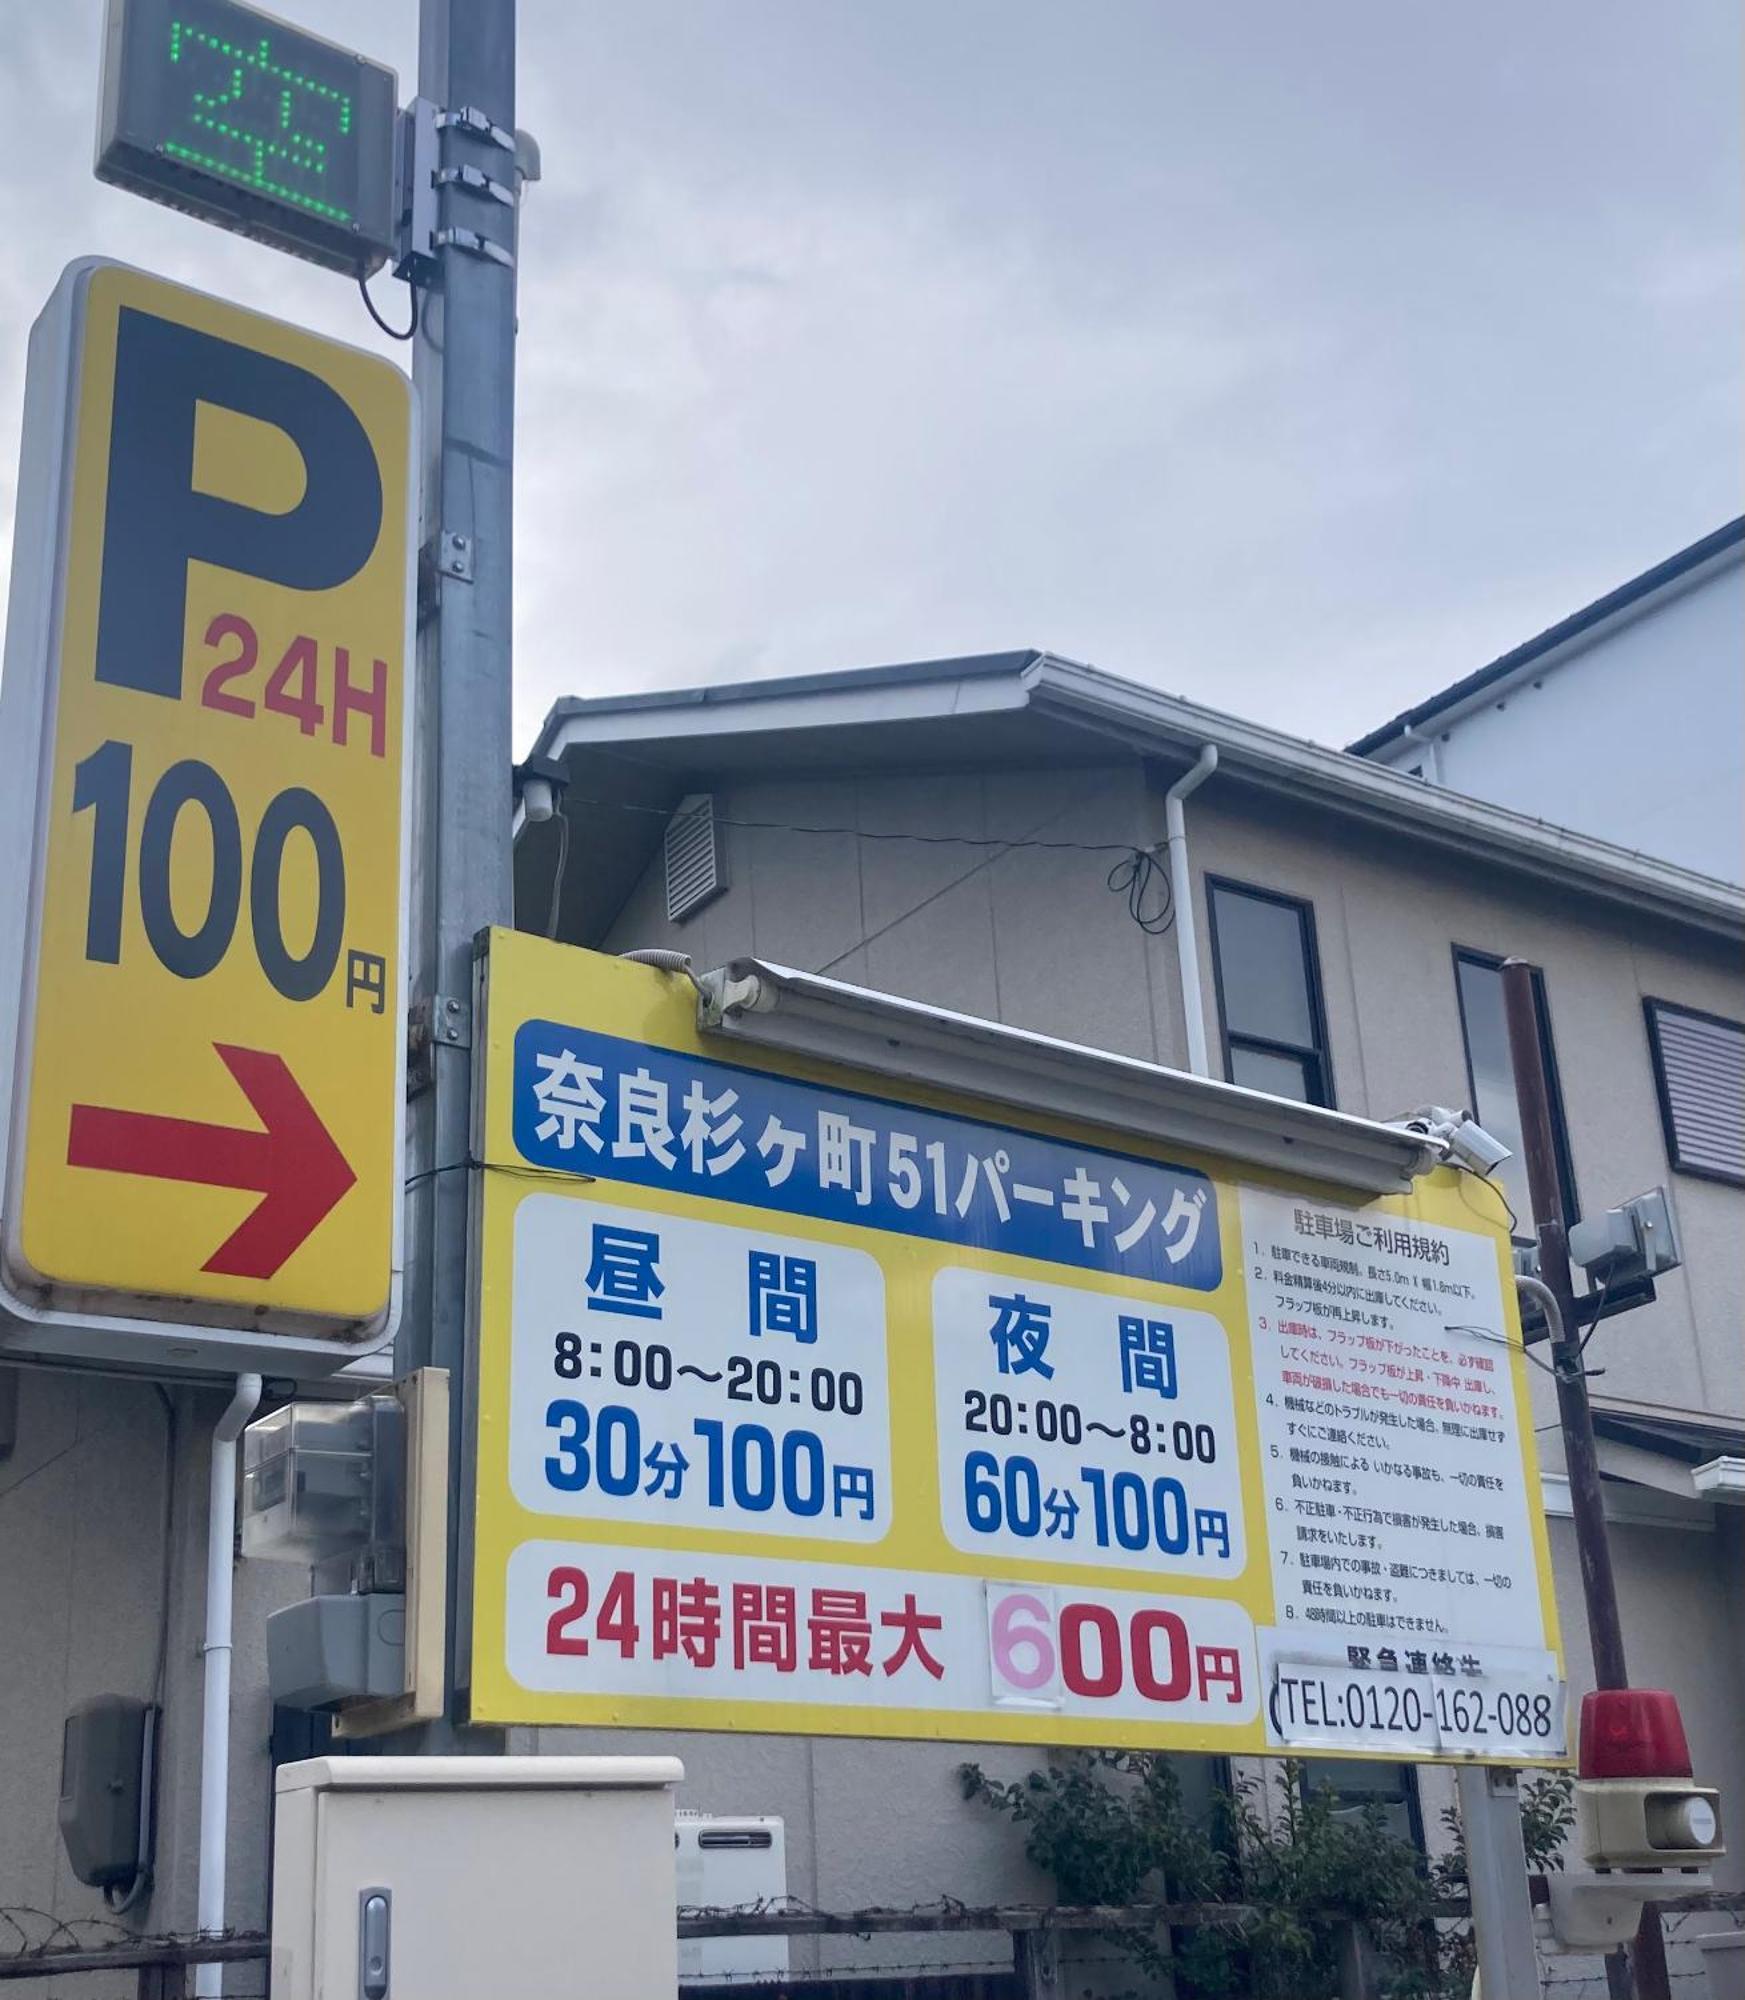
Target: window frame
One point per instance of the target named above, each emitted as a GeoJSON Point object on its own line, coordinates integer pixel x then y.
{"type": "Point", "coordinates": [1320, 1055]}
{"type": "Point", "coordinates": [1491, 961]}
{"type": "Point", "coordinates": [1410, 1796]}
{"type": "Point", "coordinates": [1652, 1008]}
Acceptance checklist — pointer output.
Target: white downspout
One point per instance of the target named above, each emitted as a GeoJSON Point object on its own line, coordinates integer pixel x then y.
{"type": "Point", "coordinates": [1181, 888]}
{"type": "Point", "coordinates": [215, 1719]}
{"type": "Point", "coordinates": [1432, 751]}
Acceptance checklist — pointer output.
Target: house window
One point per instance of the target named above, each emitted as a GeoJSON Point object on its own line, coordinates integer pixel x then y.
{"type": "Point", "coordinates": [1269, 992]}
{"type": "Point", "coordinates": [1490, 1074]}
{"type": "Point", "coordinates": [1699, 1071]}
{"type": "Point", "coordinates": [1356, 1783]}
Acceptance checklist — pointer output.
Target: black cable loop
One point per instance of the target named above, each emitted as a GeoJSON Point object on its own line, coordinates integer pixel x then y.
{"type": "Point", "coordinates": [393, 332]}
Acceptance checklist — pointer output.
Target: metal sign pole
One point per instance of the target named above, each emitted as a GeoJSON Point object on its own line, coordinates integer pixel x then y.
{"type": "Point", "coordinates": [464, 371]}
{"type": "Point", "coordinates": [1496, 1869]}
{"type": "Point", "coordinates": [1599, 1587]}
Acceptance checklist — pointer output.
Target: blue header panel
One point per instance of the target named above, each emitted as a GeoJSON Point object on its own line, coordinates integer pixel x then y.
{"type": "Point", "coordinates": [629, 1111]}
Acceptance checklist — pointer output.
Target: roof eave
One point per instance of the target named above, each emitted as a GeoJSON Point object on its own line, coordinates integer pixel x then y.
{"type": "Point", "coordinates": [1620, 607]}
{"type": "Point", "coordinates": [1147, 721]}
{"type": "Point", "coordinates": [980, 683]}
{"type": "Point", "coordinates": [1369, 791]}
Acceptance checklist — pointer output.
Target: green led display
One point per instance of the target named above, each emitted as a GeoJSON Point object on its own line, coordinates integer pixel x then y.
{"type": "Point", "coordinates": [241, 118]}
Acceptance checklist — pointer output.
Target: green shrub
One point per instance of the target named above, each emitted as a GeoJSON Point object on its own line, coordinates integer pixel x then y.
{"type": "Point", "coordinates": [1110, 1827]}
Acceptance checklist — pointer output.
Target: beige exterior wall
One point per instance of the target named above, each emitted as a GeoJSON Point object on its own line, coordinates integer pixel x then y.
{"type": "Point", "coordinates": [1033, 938]}
{"type": "Point", "coordinates": [81, 1596]}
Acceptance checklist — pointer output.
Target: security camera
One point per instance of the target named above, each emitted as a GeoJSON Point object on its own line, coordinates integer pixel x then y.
{"type": "Point", "coordinates": [1469, 1144]}
{"type": "Point", "coordinates": [1472, 1147]}
{"type": "Point", "coordinates": [538, 784]}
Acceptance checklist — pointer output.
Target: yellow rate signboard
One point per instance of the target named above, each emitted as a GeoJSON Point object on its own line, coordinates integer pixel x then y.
{"type": "Point", "coordinates": [206, 691]}
{"type": "Point", "coordinates": [813, 1404]}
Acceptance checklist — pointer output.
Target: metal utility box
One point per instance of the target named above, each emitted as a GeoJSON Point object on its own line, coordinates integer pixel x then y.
{"type": "Point", "coordinates": [322, 1481]}
{"type": "Point", "coordinates": [330, 1649]}
{"type": "Point", "coordinates": [448, 1878]}
{"type": "Point", "coordinates": [732, 1861]}
{"type": "Point", "coordinates": [106, 1789]}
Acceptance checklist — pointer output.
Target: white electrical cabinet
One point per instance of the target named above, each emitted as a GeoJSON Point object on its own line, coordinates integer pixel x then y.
{"type": "Point", "coordinates": [453, 1878]}
{"type": "Point", "coordinates": [732, 1861]}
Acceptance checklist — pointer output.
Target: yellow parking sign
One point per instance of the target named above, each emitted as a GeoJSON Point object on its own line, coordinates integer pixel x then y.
{"type": "Point", "coordinates": [212, 656]}
{"type": "Point", "coordinates": [815, 1403]}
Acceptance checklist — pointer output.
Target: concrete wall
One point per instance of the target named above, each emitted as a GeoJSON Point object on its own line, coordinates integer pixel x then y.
{"type": "Point", "coordinates": [81, 1596]}
{"type": "Point", "coordinates": [1638, 736]}
{"type": "Point", "coordinates": [866, 1823]}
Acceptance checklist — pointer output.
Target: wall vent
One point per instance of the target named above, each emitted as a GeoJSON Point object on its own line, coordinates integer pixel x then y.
{"type": "Point", "coordinates": [1699, 1068]}
{"type": "Point", "coordinates": [696, 870]}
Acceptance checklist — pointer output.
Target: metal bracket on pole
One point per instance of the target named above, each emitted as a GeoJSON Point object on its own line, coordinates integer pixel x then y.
{"type": "Point", "coordinates": [440, 1019]}
{"type": "Point", "coordinates": [475, 245]}
{"type": "Point", "coordinates": [445, 556]}
{"type": "Point", "coordinates": [468, 118]}
{"type": "Point", "coordinates": [454, 556]}
{"type": "Point", "coordinates": [415, 136]}
{"type": "Point", "coordinates": [474, 180]}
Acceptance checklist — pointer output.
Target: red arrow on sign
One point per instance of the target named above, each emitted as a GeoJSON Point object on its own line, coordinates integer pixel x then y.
{"type": "Point", "coordinates": [292, 1161]}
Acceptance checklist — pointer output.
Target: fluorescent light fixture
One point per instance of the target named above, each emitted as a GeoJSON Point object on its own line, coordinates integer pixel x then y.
{"type": "Point", "coordinates": [777, 1007]}
{"type": "Point", "coordinates": [1721, 1479]}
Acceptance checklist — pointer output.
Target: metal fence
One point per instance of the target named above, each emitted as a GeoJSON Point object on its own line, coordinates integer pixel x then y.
{"type": "Point", "coordinates": [156, 1968]}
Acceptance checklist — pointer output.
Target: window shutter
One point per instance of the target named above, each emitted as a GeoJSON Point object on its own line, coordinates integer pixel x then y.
{"type": "Point", "coordinates": [696, 872]}
{"type": "Point", "coordinates": [1699, 1062]}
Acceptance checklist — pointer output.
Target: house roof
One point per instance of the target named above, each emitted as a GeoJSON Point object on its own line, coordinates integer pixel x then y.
{"type": "Point", "coordinates": [1617, 607]}
{"type": "Point", "coordinates": [632, 757]}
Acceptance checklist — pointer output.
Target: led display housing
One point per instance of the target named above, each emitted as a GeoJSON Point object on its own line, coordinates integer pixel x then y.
{"type": "Point", "coordinates": [234, 116]}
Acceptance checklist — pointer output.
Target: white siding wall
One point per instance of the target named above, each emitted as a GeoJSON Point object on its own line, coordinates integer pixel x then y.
{"type": "Point", "coordinates": [1637, 737]}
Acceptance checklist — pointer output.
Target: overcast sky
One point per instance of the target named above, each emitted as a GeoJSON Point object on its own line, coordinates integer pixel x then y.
{"type": "Point", "coordinates": [1295, 358]}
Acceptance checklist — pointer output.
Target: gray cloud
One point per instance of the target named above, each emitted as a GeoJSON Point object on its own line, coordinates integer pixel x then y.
{"type": "Point", "coordinates": [1295, 359]}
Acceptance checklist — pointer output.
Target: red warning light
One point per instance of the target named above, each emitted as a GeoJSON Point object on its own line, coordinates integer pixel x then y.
{"type": "Point", "coordinates": [1633, 1733]}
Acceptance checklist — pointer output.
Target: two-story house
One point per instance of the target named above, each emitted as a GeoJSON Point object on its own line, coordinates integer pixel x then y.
{"type": "Point", "coordinates": [945, 831]}
{"type": "Point", "coordinates": [961, 832]}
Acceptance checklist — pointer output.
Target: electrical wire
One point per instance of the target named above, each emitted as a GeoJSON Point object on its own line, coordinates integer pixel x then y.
{"type": "Point", "coordinates": [1137, 876]}
{"type": "Point", "coordinates": [1503, 1340]}
{"type": "Point", "coordinates": [868, 833]}
{"type": "Point", "coordinates": [1599, 1312]}
{"type": "Point", "coordinates": [393, 332]}
{"type": "Point", "coordinates": [1514, 1219]}
{"type": "Point", "coordinates": [1136, 873]}
{"type": "Point", "coordinates": [136, 1889]}
{"type": "Point", "coordinates": [510, 1169]}
{"type": "Point", "coordinates": [1515, 1231]}
{"type": "Point", "coordinates": [161, 1667]}
{"type": "Point", "coordinates": [1496, 1188]}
